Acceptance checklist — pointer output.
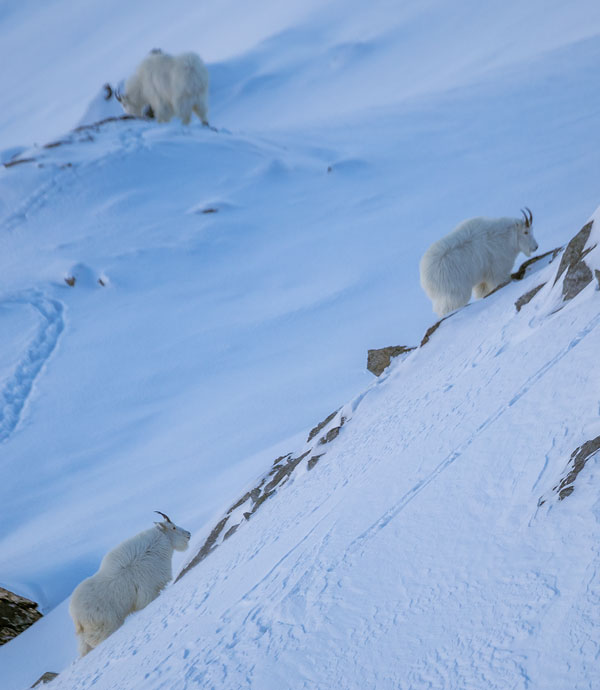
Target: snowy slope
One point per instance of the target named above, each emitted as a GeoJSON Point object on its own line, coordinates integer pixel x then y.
{"type": "Point", "coordinates": [245, 270]}
{"type": "Point", "coordinates": [414, 554]}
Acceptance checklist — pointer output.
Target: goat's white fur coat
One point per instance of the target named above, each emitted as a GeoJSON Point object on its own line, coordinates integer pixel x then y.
{"type": "Point", "coordinates": [477, 256]}
{"type": "Point", "coordinates": [172, 86]}
{"type": "Point", "coordinates": [129, 578]}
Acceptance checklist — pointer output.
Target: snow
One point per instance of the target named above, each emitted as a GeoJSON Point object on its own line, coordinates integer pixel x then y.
{"type": "Point", "coordinates": [346, 138]}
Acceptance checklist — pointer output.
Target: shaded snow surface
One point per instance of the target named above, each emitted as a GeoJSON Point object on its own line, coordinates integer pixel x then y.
{"type": "Point", "coordinates": [408, 557]}
{"type": "Point", "coordinates": [228, 283]}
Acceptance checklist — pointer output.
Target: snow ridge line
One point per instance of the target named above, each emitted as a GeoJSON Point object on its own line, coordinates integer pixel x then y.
{"type": "Point", "coordinates": [17, 388]}
{"type": "Point", "coordinates": [395, 510]}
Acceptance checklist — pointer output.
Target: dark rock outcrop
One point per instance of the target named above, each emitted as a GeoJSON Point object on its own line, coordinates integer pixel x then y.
{"type": "Point", "coordinates": [527, 266]}
{"type": "Point", "coordinates": [528, 296]}
{"type": "Point", "coordinates": [267, 486]}
{"type": "Point", "coordinates": [16, 615]}
{"type": "Point", "coordinates": [578, 274]}
{"type": "Point", "coordinates": [46, 678]}
{"type": "Point", "coordinates": [320, 426]}
{"type": "Point", "coordinates": [577, 462]}
{"type": "Point", "coordinates": [379, 360]}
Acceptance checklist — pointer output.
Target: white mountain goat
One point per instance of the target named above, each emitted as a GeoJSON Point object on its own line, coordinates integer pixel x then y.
{"type": "Point", "coordinates": [166, 86]}
{"type": "Point", "coordinates": [129, 578]}
{"type": "Point", "coordinates": [477, 256]}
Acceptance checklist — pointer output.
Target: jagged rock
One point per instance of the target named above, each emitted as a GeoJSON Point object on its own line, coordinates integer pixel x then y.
{"type": "Point", "coordinates": [16, 615]}
{"type": "Point", "coordinates": [46, 678]}
{"type": "Point", "coordinates": [528, 296]}
{"type": "Point", "coordinates": [282, 474]}
{"type": "Point", "coordinates": [523, 269]}
{"type": "Point", "coordinates": [330, 435]}
{"type": "Point", "coordinates": [578, 273]}
{"type": "Point", "coordinates": [577, 462]}
{"type": "Point", "coordinates": [279, 474]}
{"type": "Point", "coordinates": [230, 532]}
{"type": "Point", "coordinates": [268, 485]}
{"type": "Point", "coordinates": [577, 278]}
{"type": "Point", "coordinates": [314, 460]}
{"type": "Point", "coordinates": [432, 329]}
{"type": "Point", "coordinates": [208, 546]}
{"type": "Point", "coordinates": [320, 426]}
{"type": "Point", "coordinates": [379, 360]}
{"type": "Point", "coordinates": [597, 273]}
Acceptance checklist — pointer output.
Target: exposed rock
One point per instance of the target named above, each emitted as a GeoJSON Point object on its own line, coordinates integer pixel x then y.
{"type": "Point", "coordinates": [523, 269]}
{"type": "Point", "coordinates": [578, 273]}
{"type": "Point", "coordinates": [277, 476]}
{"type": "Point", "coordinates": [282, 473]}
{"type": "Point", "coordinates": [577, 462]}
{"type": "Point", "coordinates": [330, 435]}
{"type": "Point", "coordinates": [379, 360]}
{"type": "Point", "coordinates": [431, 330]}
{"type": "Point", "coordinates": [231, 531]}
{"type": "Point", "coordinates": [266, 487]}
{"type": "Point", "coordinates": [16, 615]}
{"type": "Point", "coordinates": [572, 253]}
{"type": "Point", "coordinates": [597, 273]}
{"type": "Point", "coordinates": [528, 296]}
{"type": "Point", "coordinates": [46, 678]}
{"type": "Point", "coordinates": [320, 426]}
{"type": "Point", "coordinates": [578, 276]}
{"type": "Point", "coordinates": [333, 432]}
{"type": "Point", "coordinates": [95, 125]}
{"type": "Point", "coordinates": [206, 548]}
{"type": "Point", "coordinates": [54, 144]}
{"type": "Point", "coordinates": [18, 161]}
{"type": "Point", "coordinates": [314, 460]}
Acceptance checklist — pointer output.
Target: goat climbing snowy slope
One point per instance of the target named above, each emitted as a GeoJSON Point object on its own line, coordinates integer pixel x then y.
{"type": "Point", "coordinates": [416, 552]}
{"type": "Point", "coordinates": [179, 305]}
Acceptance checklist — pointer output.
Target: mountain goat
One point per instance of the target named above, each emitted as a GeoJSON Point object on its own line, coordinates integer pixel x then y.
{"type": "Point", "coordinates": [477, 256]}
{"type": "Point", "coordinates": [129, 578]}
{"type": "Point", "coordinates": [166, 86]}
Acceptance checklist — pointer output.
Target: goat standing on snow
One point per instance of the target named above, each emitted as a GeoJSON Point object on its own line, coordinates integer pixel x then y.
{"type": "Point", "coordinates": [477, 256]}
{"type": "Point", "coordinates": [167, 86]}
{"type": "Point", "coordinates": [129, 578]}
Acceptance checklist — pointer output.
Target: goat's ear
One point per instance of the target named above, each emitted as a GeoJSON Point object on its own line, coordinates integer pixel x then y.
{"type": "Point", "coordinates": [161, 526]}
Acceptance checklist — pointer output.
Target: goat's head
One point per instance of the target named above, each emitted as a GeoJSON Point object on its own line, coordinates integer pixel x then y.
{"type": "Point", "coordinates": [526, 240]}
{"type": "Point", "coordinates": [180, 538]}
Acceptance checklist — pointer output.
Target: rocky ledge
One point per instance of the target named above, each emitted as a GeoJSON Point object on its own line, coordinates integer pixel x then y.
{"type": "Point", "coordinates": [16, 615]}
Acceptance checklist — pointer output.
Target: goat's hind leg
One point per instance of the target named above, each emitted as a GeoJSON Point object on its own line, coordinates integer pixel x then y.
{"type": "Point", "coordinates": [481, 290]}
{"type": "Point", "coordinates": [200, 111]}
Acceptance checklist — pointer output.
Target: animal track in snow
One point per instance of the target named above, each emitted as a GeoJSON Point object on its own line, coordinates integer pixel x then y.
{"type": "Point", "coordinates": [16, 389]}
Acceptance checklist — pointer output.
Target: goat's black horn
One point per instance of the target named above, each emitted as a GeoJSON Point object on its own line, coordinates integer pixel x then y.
{"type": "Point", "coordinates": [166, 517]}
